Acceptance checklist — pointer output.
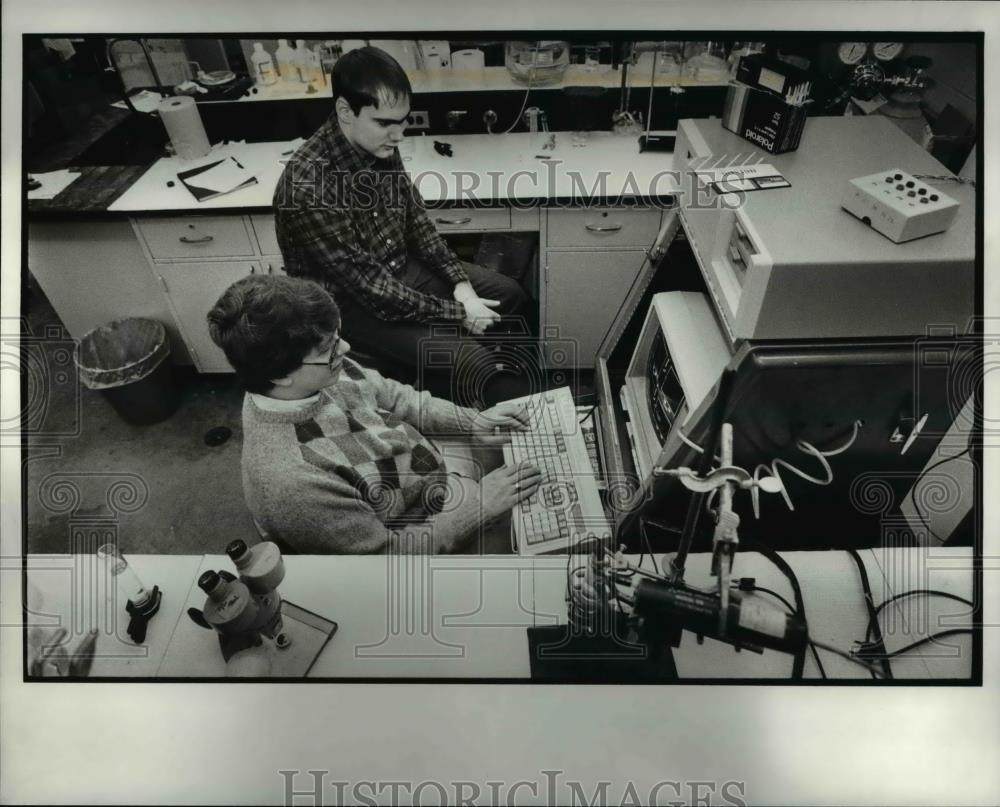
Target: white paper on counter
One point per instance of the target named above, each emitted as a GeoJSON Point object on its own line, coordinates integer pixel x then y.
{"type": "Point", "coordinates": [143, 101]}
{"type": "Point", "coordinates": [53, 183]}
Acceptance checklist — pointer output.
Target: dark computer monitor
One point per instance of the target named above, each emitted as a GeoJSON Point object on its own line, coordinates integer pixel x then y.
{"type": "Point", "coordinates": [814, 392]}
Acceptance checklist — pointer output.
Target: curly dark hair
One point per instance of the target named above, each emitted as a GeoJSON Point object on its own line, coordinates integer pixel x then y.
{"type": "Point", "coordinates": [365, 76]}
{"type": "Point", "coordinates": [266, 325]}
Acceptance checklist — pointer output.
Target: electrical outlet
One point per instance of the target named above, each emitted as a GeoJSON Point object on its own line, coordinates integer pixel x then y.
{"type": "Point", "coordinates": [418, 119]}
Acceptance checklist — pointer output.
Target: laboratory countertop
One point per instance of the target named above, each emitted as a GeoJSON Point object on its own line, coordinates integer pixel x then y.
{"type": "Point", "coordinates": [483, 169]}
{"type": "Point", "coordinates": [96, 189]}
{"type": "Point", "coordinates": [465, 617]}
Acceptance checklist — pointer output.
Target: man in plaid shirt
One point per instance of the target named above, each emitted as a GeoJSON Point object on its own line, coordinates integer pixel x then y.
{"type": "Point", "coordinates": [348, 217]}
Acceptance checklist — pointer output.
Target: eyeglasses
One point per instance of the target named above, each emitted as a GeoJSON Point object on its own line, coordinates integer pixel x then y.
{"type": "Point", "coordinates": [334, 356]}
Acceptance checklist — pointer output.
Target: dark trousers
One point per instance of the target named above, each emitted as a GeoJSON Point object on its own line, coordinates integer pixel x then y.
{"type": "Point", "coordinates": [442, 356]}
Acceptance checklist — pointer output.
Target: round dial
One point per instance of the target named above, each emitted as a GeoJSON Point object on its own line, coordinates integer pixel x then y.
{"type": "Point", "coordinates": [852, 52]}
{"type": "Point", "coordinates": [886, 51]}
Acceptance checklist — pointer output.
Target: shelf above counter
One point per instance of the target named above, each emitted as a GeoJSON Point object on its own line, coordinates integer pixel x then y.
{"type": "Point", "coordinates": [489, 79]}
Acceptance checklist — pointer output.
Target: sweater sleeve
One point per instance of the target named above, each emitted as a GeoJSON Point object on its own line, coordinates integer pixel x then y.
{"type": "Point", "coordinates": [429, 415]}
{"type": "Point", "coordinates": [321, 513]}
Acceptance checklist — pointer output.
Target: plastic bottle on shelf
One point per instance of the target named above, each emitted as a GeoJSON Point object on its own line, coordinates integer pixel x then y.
{"type": "Point", "coordinates": [319, 74]}
{"type": "Point", "coordinates": [285, 56]}
{"type": "Point", "coordinates": [263, 66]}
{"type": "Point", "coordinates": [303, 62]}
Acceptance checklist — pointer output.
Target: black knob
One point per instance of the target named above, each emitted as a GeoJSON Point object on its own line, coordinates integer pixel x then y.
{"type": "Point", "coordinates": [899, 187]}
{"type": "Point", "coordinates": [910, 184]}
{"type": "Point", "coordinates": [922, 191]}
{"type": "Point", "coordinates": [923, 200]}
{"type": "Point", "coordinates": [898, 176]}
{"type": "Point", "coordinates": [934, 197]}
{"type": "Point", "coordinates": [911, 193]}
{"type": "Point", "coordinates": [889, 180]}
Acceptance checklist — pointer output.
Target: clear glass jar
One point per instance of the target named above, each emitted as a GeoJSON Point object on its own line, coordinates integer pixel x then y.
{"type": "Point", "coordinates": [537, 63]}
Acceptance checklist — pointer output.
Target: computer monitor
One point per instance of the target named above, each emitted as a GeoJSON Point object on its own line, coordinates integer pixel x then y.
{"type": "Point", "coordinates": [904, 395]}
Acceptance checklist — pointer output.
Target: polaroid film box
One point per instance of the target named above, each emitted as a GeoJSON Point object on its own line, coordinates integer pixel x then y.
{"type": "Point", "coordinates": [763, 118]}
{"type": "Point", "coordinates": [772, 75]}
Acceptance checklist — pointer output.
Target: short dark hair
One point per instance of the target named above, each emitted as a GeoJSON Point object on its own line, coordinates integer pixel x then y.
{"type": "Point", "coordinates": [365, 76]}
{"type": "Point", "coordinates": [266, 325]}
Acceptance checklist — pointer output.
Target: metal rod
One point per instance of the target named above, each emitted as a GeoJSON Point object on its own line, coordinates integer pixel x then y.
{"type": "Point", "coordinates": [707, 457]}
{"type": "Point", "coordinates": [649, 107]}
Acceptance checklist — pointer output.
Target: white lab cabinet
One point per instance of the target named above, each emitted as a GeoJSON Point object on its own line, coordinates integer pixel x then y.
{"type": "Point", "coordinates": [582, 296]}
{"type": "Point", "coordinates": [93, 272]}
{"type": "Point", "coordinates": [193, 288]}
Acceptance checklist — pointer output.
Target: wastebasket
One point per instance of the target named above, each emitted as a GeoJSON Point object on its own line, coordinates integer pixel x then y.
{"type": "Point", "coordinates": [127, 361]}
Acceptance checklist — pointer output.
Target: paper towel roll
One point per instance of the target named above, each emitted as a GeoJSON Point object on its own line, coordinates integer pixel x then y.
{"type": "Point", "coordinates": [184, 127]}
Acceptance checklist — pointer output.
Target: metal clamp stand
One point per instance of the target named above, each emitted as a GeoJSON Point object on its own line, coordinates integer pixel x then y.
{"type": "Point", "coordinates": [694, 506]}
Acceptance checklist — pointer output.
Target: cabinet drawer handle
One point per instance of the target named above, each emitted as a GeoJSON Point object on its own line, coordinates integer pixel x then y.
{"type": "Point", "coordinates": [463, 220]}
{"type": "Point", "coordinates": [203, 240]}
{"type": "Point", "coordinates": [596, 228]}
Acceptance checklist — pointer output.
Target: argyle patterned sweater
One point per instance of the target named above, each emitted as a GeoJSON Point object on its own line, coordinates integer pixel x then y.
{"type": "Point", "coordinates": [351, 471]}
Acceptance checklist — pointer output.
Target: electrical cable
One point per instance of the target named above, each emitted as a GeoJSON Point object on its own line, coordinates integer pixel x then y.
{"type": "Point", "coordinates": [648, 545]}
{"type": "Point", "coordinates": [527, 92]}
{"type": "Point", "coordinates": [926, 592]}
{"type": "Point", "coordinates": [926, 639]}
{"type": "Point", "coordinates": [800, 606]}
{"type": "Point", "coordinates": [689, 442]}
{"type": "Point", "coordinates": [874, 670]}
{"type": "Point", "coordinates": [872, 614]}
{"type": "Point", "coordinates": [916, 506]}
{"type": "Point", "coordinates": [942, 178]}
{"type": "Point", "coordinates": [806, 448]}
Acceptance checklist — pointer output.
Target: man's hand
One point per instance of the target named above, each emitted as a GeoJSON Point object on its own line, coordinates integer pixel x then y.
{"type": "Point", "coordinates": [479, 313]}
{"type": "Point", "coordinates": [503, 488]}
{"type": "Point", "coordinates": [49, 658]}
{"type": "Point", "coordinates": [492, 427]}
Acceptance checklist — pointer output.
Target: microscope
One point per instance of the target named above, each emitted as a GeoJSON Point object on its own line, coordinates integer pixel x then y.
{"type": "Point", "coordinates": [245, 611]}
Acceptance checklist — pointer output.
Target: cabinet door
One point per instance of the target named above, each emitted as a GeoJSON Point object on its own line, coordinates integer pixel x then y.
{"type": "Point", "coordinates": [193, 288]}
{"type": "Point", "coordinates": [583, 291]}
{"type": "Point", "coordinates": [94, 272]}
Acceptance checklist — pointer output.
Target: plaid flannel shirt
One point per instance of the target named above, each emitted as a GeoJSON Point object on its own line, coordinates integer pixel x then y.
{"type": "Point", "coordinates": [350, 223]}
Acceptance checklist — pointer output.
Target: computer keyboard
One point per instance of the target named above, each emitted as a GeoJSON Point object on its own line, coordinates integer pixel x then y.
{"type": "Point", "coordinates": [567, 507]}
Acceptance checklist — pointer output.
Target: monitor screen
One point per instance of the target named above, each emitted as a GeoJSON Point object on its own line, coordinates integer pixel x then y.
{"type": "Point", "coordinates": [791, 400]}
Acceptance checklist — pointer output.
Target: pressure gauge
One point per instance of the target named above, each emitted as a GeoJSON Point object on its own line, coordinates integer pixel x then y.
{"type": "Point", "coordinates": [887, 51]}
{"type": "Point", "coordinates": [852, 52]}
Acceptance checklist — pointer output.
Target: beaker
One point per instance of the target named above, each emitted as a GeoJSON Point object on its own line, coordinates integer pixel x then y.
{"type": "Point", "coordinates": [706, 61]}
{"type": "Point", "coordinates": [128, 582]}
